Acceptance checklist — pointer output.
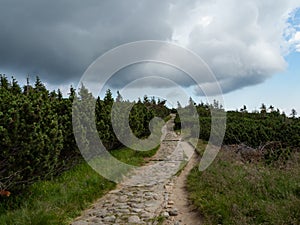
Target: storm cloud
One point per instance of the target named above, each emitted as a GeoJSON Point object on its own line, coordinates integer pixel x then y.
{"type": "Point", "coordinates": [243, 42]}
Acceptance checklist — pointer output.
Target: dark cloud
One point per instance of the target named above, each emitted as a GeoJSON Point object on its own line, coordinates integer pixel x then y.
{"type": "Point", "coordinates": [227, 85]}
{"type": "Point", "coordinates": [142, 70]}
{"type": "Point", "coordinates": [58, 40]}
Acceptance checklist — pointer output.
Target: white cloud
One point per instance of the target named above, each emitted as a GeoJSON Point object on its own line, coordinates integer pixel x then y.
{"type": "Point", "coordinates": [240, 40]}
{"type": "Point", "coordinates": [296, 41]}
{"type": "Point", "coordinates": [297, 36]}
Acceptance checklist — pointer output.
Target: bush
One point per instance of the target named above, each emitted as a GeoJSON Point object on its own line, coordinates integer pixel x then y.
{"type": "Point", "coordinates": [36, 132]}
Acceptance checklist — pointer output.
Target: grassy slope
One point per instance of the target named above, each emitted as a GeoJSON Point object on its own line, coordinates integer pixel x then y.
{"type": "Point", "coordinates": [62, 199]}
{"type": "Point", "coordinates": [230, 192]}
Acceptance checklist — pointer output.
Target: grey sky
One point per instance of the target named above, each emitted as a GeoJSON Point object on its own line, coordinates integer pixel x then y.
{"type": "Point", "coordinates": [241, 41]}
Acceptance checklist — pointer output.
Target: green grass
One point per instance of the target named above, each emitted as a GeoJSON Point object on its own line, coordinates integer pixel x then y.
{"type": "Point", "coordinates": [135, 158]}
{"type": "Point", "coordinates": [230, 192]}
{"type": "Point", "coordinates": [167, 118]}
{"type": "Point", "coordinates": [56, 201]}
{"type": "Point", "coordinates": [159, 219]}
{"type": "Point", "coordinates": [62, 199]}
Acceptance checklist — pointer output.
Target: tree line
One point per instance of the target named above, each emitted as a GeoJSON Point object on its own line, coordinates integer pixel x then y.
{"type": "Point", "coordinates": [36, 132]}
{"type": "Point", "coordinates": [37, 139]}
{"type": "Point", "coordinates": [270, 129]}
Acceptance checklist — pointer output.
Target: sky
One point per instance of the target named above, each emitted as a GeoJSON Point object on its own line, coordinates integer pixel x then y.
{"type": "Point", "coordinates": [251, 47]}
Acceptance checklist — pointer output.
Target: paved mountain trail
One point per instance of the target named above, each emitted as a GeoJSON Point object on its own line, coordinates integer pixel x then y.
{"type": "Point", "coordinates": [151, 191]}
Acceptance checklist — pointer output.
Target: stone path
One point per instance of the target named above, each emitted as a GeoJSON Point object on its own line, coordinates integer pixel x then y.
{"type": "Point", "coordinates": [143, 198]}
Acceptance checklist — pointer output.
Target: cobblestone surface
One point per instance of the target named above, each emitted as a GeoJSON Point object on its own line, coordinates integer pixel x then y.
{"type": "Point", "coordinates": [144, 196]}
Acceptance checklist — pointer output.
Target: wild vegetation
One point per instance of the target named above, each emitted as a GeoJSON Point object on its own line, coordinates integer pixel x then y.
{"type": "Point", "coordinates": [37, 141]}
{"type": "Point", "coordinates": [39, 157]}
{"type": "Point", "coordinates": [60, 200]}
{"type": "Point", "coordinates": [255, 178]}
{"type": "Point", "coordinates": [251, 128]}
{"type": "Point", "coordinates": [236, 191]}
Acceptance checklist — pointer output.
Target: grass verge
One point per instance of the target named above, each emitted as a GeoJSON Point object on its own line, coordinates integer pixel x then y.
{"type": "Point", "coordinates": [62, 199]}
{"type": "Point", "coordinates": [232, 192]}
